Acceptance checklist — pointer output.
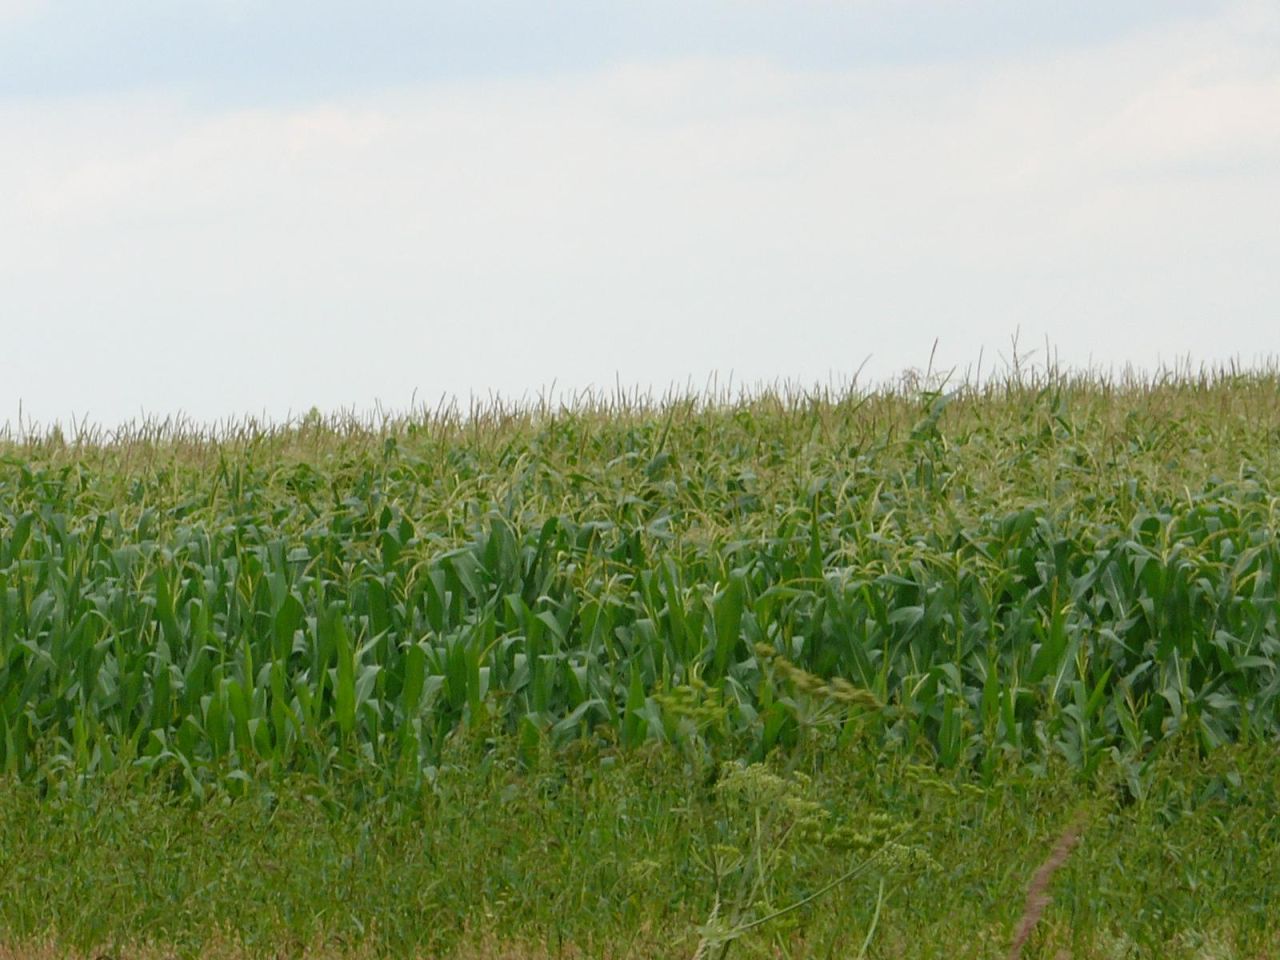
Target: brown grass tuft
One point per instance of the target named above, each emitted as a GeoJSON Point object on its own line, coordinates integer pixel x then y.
{"type": "Point", "coordinates": [1038, 890]}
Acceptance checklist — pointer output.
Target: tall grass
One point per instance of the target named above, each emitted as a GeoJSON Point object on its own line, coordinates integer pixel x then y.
{"type": "Point", "coordinates": [1048, 564]}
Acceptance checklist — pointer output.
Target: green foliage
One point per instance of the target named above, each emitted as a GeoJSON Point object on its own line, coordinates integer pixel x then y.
{"type": "Point", "coordinates": [771, 827]}
{"type": "Point", "coordinates": [597, 855]}
{"type": "Point", "coordinates": [1065, 569]}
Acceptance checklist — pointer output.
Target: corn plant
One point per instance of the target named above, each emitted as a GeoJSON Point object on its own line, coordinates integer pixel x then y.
{"type": "Point", "coordinates": [1064, 566]}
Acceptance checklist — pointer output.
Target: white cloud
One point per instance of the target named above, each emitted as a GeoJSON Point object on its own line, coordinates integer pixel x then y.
{"type": "Point", "coordinates": [654, 220]}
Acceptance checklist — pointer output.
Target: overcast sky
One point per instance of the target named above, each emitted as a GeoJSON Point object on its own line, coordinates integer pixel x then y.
{"type": "Point", "coordinates": [221, 207]}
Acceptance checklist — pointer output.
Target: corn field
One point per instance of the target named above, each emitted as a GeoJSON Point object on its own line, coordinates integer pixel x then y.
{"type": "Point", "coordinates": [1069, 566]}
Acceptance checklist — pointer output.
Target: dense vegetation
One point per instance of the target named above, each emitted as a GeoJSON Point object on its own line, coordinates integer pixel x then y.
{"type": "Point", "coordinates": [1051, 576]}
{"type": "Point", "coordinates": [581, 859]}
{"type": "Point", "coordinates": [1067, 569]}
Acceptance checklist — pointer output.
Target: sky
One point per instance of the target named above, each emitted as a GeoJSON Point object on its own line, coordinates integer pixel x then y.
{"type": "Point", "coordinates": [221, 208]}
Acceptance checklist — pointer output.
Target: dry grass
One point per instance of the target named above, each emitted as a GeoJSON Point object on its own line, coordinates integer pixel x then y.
{"type": "Point", "coordinates": [231, 950]}
{"type": "Point", "coordinates": [1038, 890]}
{"type": "Point", "coordinates": [646, 945]}
{"type": "Point", "coordinates": [1102, 948]}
